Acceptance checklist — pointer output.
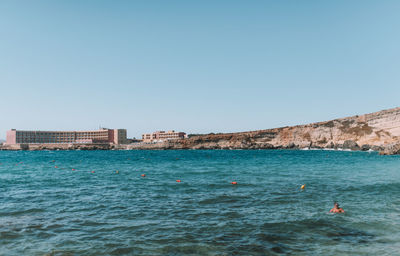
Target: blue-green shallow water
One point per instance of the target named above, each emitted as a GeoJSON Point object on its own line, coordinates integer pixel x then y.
{"type": "Point", "coordinates": [57, 211]}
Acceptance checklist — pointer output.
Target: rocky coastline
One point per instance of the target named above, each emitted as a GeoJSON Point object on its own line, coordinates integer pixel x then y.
{"type": "Point", "coordinates": [35, 147]}
{"type": "Point", "coordinates": [379, 131]}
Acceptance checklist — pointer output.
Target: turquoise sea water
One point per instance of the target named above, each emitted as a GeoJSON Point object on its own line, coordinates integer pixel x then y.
{"type": "Point", "coordinates": [59, 211]}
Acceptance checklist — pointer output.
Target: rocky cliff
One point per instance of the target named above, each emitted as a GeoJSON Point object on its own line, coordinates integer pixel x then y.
{"type": "Point", "coordinates": [377, 131]}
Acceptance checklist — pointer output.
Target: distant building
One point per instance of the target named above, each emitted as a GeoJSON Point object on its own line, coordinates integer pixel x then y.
{"type": "Point", "coordinates": [114, 136]}
{"type": "Point", "coordinates": [163, 136]}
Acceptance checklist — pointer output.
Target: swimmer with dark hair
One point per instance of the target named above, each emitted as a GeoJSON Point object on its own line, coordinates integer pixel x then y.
{"type": "Point", "coordinates": [336, 208]}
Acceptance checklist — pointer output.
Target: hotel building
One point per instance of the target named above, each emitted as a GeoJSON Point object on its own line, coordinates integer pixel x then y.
{"type": "Point", "coordinates": [163, 136]}
{"type": "Point", "coordinates": [112, 136]}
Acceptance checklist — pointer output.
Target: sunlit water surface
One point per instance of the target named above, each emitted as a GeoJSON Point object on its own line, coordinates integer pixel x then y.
{"type": "Point", "coordinates": [93, 210]}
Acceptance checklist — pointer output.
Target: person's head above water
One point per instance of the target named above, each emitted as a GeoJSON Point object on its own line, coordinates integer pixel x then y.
{"type": "Point", "coordinates": [336, 208]}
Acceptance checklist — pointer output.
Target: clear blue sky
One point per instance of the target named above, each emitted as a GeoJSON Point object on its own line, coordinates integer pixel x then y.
{"type": "Point", "coordinates": [195, 66]}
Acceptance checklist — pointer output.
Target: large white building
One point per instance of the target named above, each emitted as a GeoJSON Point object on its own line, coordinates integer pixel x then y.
{"type": "Point", "coordinates": [114, 136]}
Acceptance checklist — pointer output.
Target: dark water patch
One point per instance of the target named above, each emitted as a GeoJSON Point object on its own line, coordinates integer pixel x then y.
{"type": "Point", "coordinates": [60, 253]}
{"type": "Point", "coordinates": [250, 249]}
{"type": "Point", "coordinates": [274, 238]}
{"type": "Point", "coordinates": [9, 235]}
{"type": "Point", "coordinates": [91, 223]}
{"type": "Point", "coordinates": [185, 249]}
{"type": "Point", "coordinates": [22, 212]}
{"type": "Point", "coordinates": [375, 189]}
{"type": "Point", "coordinates": [320, 230]}
{"type": "Point", "coordinates": [223, 199]}
{"type": "Point", "coordinates": [350, 236]}
{"type": "Point", "coordinates": [277, 249]}
{"type": "Point", "coordinates": [123, 251]}
{"type": "Point", "coordinates": [53, 226]}
{"type": "Point", "coordinates": [44, 235]}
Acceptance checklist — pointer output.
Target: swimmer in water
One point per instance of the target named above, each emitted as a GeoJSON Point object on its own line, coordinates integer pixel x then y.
{"type": "Point", "coordinates": [336, 208]}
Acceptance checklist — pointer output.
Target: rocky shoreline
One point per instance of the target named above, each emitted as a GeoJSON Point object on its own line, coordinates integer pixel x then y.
{"type": "Point", "coordinates": [379, 131]}
{"type": "Point", "coordinates": [179, 145]}
{"type": "Point", "coordinates": [347, 145]}
{"type": "Point", "coordinates": [35, 147]}
{"type": "Point", "coordinates": [182, 145]}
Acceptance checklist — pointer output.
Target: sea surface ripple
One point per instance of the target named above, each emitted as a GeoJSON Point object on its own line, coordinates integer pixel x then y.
{"type": "Point", "coordinates": [76, 203]}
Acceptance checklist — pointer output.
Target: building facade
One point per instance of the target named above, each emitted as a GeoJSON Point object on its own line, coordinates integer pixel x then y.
{"type": "Point", "coordinates": [113, 136]}
{"type": "Point", "coordinates": [160, 136]}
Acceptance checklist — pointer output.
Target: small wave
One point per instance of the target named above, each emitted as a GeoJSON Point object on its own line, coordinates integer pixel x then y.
{"type": "Point", "coordinates": [22, 212]}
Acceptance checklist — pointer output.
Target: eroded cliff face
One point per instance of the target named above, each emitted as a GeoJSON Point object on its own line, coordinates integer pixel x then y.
{"type": "Point", "coordinates": [371, 131]}
{"type": "Point", "coordinates": [377, 131]}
